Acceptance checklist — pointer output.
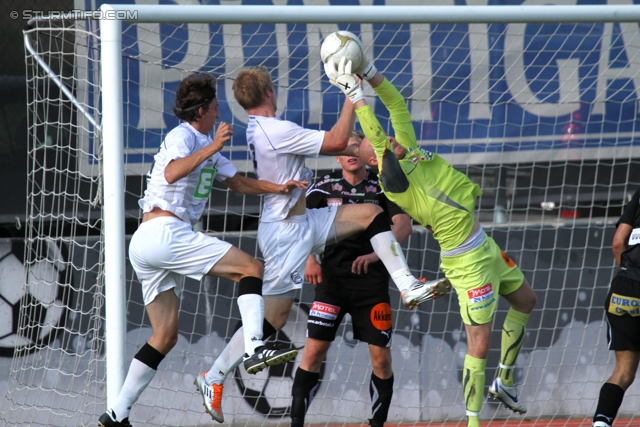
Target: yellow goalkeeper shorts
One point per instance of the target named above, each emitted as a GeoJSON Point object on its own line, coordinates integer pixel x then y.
{"type": "Point", "coordinates": [478, 277]}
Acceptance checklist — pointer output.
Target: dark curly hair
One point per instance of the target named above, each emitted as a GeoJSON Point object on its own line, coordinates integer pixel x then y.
{"type": "Point", "coordinates": [195, 91]}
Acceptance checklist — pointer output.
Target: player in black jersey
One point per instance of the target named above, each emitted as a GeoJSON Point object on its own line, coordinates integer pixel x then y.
{"type": "Point", "coordinates": [350, 280]}
{"type": "Point", "coordinates": [622, 308]}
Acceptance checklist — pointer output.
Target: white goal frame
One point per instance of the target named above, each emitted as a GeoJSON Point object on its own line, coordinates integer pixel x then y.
{"type": "Point", "coordinates": [112, 114]}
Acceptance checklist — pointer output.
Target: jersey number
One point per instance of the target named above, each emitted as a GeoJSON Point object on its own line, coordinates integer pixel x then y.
{"type": "Point", "coordinates": [204, 183]}
{"type": "Point", "coordinates": [252, 150]}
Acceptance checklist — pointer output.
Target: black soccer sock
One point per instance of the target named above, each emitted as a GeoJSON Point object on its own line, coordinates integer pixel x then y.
{"type": "Point", "coordinates": [381, 392]}
{"type": "Point", "coordinates": [608, 403]}
{"type": "Point", "coordinates": [250, 285]}
{"type": "Point", "coordinates": [304, 388]}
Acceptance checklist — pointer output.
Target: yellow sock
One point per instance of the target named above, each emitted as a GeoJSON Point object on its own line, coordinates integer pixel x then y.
{"type": "Point", "coordinates": [513, 333]}
{"type": "Point", "coordinates": [473, 386]}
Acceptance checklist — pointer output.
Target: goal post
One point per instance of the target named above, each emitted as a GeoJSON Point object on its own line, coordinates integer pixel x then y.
{"type": "Point", "coordinates": [535, 102]}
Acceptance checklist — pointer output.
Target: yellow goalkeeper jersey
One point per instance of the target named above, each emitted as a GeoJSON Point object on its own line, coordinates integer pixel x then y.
{"type": "Point", "coordinates": [423, 184]}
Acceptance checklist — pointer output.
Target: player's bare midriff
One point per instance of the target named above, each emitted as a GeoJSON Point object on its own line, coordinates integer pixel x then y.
{"type": "Point", "coordinates": [157, 212]}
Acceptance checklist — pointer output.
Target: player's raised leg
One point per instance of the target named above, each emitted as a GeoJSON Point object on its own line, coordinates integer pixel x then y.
{"type": "Point", "coordinates": [375, 222]}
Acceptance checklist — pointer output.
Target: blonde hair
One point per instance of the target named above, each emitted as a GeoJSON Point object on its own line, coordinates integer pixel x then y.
{"type": "Point", "coordinates": [250, 86]}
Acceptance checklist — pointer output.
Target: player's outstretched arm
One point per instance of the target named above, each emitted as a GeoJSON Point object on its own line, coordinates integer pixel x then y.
{"type": "Point", "coordinates": [242, 184]}
{"type": "Point", "coordinates": [335, 140]}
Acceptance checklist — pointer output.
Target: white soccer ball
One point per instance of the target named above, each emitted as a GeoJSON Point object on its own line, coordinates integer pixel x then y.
{"type": "Point", "coordinates": [342, 44]}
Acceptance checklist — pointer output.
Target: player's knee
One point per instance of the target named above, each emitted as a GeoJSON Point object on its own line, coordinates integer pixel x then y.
{"type": "Point", "coordinates": [381, 363]}
{"type": "Point", "coordinates": [254, 268]}
{"type": "Point", "coordinates": [165, 340]}
{"type": "Point", "coordinates": [311, 360]}
{"type": "Point", "coordinates": [528, 303]}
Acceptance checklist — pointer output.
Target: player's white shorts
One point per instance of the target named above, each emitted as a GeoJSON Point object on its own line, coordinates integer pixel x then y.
{"type": "Point", "coordinates": [165, 249]}
{"type": "Point", "coordinates": [286, 245]}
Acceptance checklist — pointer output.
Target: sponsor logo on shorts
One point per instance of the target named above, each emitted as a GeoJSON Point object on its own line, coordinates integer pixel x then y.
{"type": "Point", "coordinates": [324, 311]}
{"type": "Point", "coordinates": [485, 305]}
{"type": "Point", "coordinates": [621, 305]}
{"type": "Point", "coordinates": [317, 322]}
{"type": "Point", "coordinates": [334, 202]}
{"type": "Point", "coordinates": [295, 278]}
{"type": "Point", "coordinates": [381, 316]}
{"type": "Point", "coordinates": [481, 294]}
{"type": "Point", "coordinates": [507, 260]}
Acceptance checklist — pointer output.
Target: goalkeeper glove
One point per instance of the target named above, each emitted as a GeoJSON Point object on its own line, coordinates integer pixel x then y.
{"type": "Point", "coordinates": [366, 70]}
{"type": "Point", "coordinates": [346, 81]}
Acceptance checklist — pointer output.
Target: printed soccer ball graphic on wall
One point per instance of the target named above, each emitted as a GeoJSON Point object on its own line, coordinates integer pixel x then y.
{"type": "Point", "coordinates": [43, 297]}
{"type": "Point", "coordinates": [339, 44]}
{"type": "Point", "coordinates": [269, 391]}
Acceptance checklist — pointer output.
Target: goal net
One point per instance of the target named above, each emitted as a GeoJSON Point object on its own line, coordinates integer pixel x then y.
{"type": "Point", "coordinates": [542, 115]}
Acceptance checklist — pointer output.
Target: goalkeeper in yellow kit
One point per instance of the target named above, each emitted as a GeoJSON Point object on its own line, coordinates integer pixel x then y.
{"type": "Point", "coordinates": [443, 199]}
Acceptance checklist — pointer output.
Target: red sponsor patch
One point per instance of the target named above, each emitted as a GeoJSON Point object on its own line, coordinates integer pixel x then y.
{"type": "Point", "coordinates": [480, 292]}
{"type": "Point", "coordinates": [324, 310]}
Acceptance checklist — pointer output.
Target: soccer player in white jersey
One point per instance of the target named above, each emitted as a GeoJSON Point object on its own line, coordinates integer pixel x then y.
{"type": "Point", "coordinates": [165, 247]}
{"type": "Point", "coordinates": [288, 232]}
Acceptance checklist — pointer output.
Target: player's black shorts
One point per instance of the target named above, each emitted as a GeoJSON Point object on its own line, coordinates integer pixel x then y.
{"type": "Point", "coordinates": [370, 314]}
{"type": "Point", "coordinates": [623, 314]}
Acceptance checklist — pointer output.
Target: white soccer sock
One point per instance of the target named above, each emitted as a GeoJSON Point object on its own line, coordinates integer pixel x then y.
{"type": "Point", "coordinates": [138, 378]}
{"type": "Point", "coordinates": [252, 313]}
{"type": "Point", "coordinates": [231, 356]}
{"type": "Point", "coordinates": [390, 253]}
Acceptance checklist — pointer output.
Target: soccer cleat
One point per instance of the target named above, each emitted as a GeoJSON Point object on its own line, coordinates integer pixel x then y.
{"type": "Point", "coordinates": [264, 357]}
{"type": "Point", "coordinates": [109, 420]}
{"type": "Point", "coordinates": [422, 291]}
{"type": "Point", "coordinates": [211, 396]}
{"type": "Point", "coordinates": [601, 424]}
{"type": "Point", "coordinates": [507, 395]}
